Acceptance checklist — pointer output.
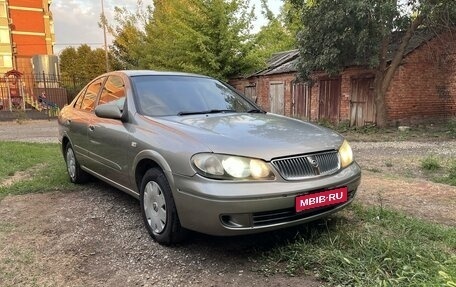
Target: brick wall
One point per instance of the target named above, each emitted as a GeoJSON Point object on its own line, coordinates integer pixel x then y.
{"type": "Point", "coordinates": [424, 86]}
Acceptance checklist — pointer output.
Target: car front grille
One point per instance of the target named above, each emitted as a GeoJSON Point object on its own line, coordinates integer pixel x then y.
{"type": "Point", "coordinates": [289, 214]}
{"type": "Point", "coordinates": [307, 166]}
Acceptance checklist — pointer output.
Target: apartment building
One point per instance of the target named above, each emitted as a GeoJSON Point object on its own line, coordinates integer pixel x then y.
{"type": "Point", "coordinates": [26, 29]}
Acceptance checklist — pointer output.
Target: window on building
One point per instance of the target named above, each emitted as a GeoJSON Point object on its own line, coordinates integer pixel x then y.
{"type": "Point", "coordinates": [4, 36]}
{"type": "Point", "coordinates": [6, 61]}
{"type": "Point", "coordinates": [3, 10]}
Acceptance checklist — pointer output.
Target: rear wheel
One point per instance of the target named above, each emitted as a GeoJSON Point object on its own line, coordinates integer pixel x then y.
{"type": "Point", "coordinates": [158, 209]}
{"type": "Point", "coordinates": [77, 175]}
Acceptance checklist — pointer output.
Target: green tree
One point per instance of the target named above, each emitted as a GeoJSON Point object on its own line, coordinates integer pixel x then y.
{"type": "Point", "coordinates": [82, 62]}
{"type": "Point", "coordinates": [336, 34]}
{"type": "Point", "coordinates": [210, 37]}
{"type": "Point", "coordinates": [68, 65]}
{"type": "Point", "coordinates": [128, 46]}
{"type": "Point", "coordinates": [279, 34]}
{"type": "Point", "coordinates": [200, 36]}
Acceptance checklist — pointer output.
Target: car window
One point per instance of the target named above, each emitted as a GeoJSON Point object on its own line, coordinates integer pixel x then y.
{"type": "Point", "coordinates": [90, 96]}
{"type": "Point", "coordinates": [79, 100]}
{"type": "Point", "coordinates": [173, 95]}
{"type": "Point", "coordinates": [113, 90]}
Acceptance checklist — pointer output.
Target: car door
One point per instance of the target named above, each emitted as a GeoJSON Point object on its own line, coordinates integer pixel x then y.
{"type": "Point", "coordinates": [79, 119]}
{"type": "Point", "coordinates": [109, 139]}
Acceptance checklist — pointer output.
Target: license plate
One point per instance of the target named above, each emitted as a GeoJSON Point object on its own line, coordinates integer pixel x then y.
{"type": "Point", "coordinates": [319, 199]}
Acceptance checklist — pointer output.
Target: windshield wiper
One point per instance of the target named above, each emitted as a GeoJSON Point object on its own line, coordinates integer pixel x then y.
{"type": "Point", "coordinates": [256, 111]}
{"type": "Point", "coordinates": [214, 111]}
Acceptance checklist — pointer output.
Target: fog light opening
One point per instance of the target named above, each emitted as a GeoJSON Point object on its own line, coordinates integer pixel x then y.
{"type": "Point", "coordinates": [236, 221]}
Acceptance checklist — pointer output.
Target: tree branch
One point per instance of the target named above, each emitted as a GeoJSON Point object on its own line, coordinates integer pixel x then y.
{"type": "Point", "coordinates": [396, 61]}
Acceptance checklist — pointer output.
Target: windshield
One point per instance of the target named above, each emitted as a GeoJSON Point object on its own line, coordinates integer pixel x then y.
{"type": "Point", "coordinates": [186, 95]}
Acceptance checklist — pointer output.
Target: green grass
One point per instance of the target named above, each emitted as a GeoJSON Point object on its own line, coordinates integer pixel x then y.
{"type": "Point", "coordinates": [440, 170]}
{"type": "Point", "coordinates": [451, 177]}
{"type": "Point", "coordinates": [430, 163]}
{"type": "Point", "coordinates": [371, 247]}
{"type": "Point", "coordinates": [43, 163]}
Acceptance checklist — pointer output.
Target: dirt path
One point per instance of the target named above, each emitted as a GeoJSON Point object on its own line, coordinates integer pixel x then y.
{"type": "Point", "coordinates": [420, 198]}
{"type": "Point", "coordinates": [95, 236]}
{"type": "Point", "coordinates": [392, 177]}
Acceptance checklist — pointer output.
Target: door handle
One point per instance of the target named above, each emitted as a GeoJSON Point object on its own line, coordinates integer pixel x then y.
{"type": "Point", "coordinates": [91, 128]}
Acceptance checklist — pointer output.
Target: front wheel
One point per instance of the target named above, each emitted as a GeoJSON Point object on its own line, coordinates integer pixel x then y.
{"type": "Point", "coordinates": [158, 209]}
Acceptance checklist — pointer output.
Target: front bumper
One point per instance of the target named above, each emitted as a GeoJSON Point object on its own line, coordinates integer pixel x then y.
{"type": "Point", "coordinates": [234, 208]}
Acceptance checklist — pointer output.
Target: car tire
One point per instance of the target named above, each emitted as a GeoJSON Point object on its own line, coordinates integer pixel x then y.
{"type": "Point", "coordinates": [76, 174]}
{"type": "Point", "coordinates": [158, 209]}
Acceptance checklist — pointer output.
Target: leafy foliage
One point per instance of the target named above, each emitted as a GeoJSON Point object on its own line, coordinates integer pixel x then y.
{"type": "Point", "coordinates": [129, 36]}
{"type": "Point", "coordinates": [82, 62]}
{"type": "Point", "coordinates": [279, 34]}
{"type": "Point", "coordinates": [211, 37]}
{"type": "Point", "coordinates": [430, 163]}
{"type": "Point", "coordinates": [337, 34]}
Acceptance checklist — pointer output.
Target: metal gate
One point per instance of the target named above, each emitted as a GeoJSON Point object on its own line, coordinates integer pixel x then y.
{"type": "Point", "coordinates": [329, 99]}
{"type": "Point", "coordinates": [362, 102]}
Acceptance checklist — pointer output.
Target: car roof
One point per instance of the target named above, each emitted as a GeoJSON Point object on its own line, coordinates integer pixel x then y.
{"type": "Point", "coordinates": [134, 73]}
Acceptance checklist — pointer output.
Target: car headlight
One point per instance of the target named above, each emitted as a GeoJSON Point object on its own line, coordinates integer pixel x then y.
{"type": "Point", "coordinates": [219, 166]}
{"type": "Point", "coordinates": [346, 154]}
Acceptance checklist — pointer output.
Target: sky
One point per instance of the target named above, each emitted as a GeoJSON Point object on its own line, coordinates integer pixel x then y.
{"type": "Point", "coordinates": [76, 21]}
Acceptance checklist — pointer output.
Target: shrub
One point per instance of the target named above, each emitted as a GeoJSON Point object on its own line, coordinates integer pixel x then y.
{"type": "Point", "coordinates": [451, 178]}
{"type": "Point", "coordinates": [430, 163]}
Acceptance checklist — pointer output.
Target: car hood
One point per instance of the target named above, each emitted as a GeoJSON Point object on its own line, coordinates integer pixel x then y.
{"type": "Point", "coordinates": [265, 136]}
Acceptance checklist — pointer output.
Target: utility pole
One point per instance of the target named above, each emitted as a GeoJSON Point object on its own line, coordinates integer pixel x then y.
{"type": "Point", "coordinates": [103, 20]}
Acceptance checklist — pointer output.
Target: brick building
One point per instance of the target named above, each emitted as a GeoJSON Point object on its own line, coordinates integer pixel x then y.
{"type": "Point", "coordinates": [423, 87]}
{"type": "Point", "coordinates": [26, 29]}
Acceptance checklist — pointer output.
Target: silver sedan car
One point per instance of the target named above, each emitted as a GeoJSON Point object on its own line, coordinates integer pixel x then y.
{"type": "Point", "coordinates": [199, 156]}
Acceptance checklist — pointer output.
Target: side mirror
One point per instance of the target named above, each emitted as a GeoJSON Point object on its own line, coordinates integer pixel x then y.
{"type": "Point", "coordinates": [109, 111]}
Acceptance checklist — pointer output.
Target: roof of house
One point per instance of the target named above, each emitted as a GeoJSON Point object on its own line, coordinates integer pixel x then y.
{"type": "Point", "coordinates": [419, 38]}
{"type": "Point", "coordinates": [281, 62]}
{"type": "Point", "coordinates": [286, 61]}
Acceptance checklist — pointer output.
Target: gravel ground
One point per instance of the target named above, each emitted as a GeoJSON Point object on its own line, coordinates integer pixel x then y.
{"type": "Point", "coordinates": [393, 177]}
{"type": "Point", "coordinates": [44, 131]}
{"type": "Point", "coordinates": [95, 236]}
